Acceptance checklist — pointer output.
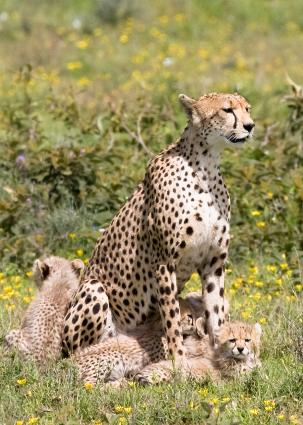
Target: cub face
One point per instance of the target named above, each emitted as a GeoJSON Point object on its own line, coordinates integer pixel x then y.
{"type": "Point", "coordinates": [45, 268]}
{"type": "Point", "coordinates": [238, 340]}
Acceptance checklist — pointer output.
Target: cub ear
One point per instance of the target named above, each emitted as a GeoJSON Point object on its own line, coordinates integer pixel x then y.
{"type": "Point", "coordinates": [41, 271]}
{"type": "Point", "coordinates": [258, 330]}
{"type": "Point", "coordinates": [77, 266]}
{"type": "Point", "coordinates": [188, 105]}
{"type": "Point", "coordinates": [200, 327]}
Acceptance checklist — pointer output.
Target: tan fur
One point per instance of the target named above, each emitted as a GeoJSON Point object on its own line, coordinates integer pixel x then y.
{"type": "Point", "coordinates": [175, 223]}
{"type": "Point", "coordinates": [124, 355]}
{"type": "Point", "coordinates": [224, 361]}
{"type": "Point", "coordinates": [40, 336]}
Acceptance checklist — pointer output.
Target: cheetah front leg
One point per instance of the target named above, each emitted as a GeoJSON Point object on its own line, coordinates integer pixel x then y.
{"type": "Point", "coordinates": [212, 276]}
{"type": "Point", "coordinates": [167, 292]}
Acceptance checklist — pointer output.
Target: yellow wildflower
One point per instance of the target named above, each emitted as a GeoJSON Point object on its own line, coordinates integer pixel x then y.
{"type": "Point", "coordinates": [298, 287]}
{"type": "Point", "coordinates": [123, 39]}
{"type": "Point", "coordinates": [195, 277]}
{"type": "Point", "coordinates": [27, 299]}
{"type": "Point", "coordinates": [21, 381]}
{"type": "Point", "coordinates": [281, 416]}
{"type": "Point", "coordinates": [2, 275]}
{"type": "Point", "coordinates": [255, 213]}
{"type": "Point", "coordinates": [216, 411]}
{"type": "Point", "coordinates": [283, 266]}
{"type": "Point", "coordinates": [203, 53]}
{"type": "Point", "coordinates": [259, 284]}
{"type": "Point", "coordinates": [289, 273]}
{"type": "Point", "coordinates": [19, 423]}
{"type": "Point", "coordinates": [33, 420]}
{"type": "Point", "coordinates": [179, 17]}
{"type": "Point", "coordinates": [123, 409]}
{"type": "Point", "coordinates": [279, 282]}
{"type": "Point", "coordinates": [203, 392]}
{"type": "Point", "coordinates": [293, 420]}
{"type": "Point", "coordinates": [97, 423]}
{"type": "Point", "coordinates": [82, 44]}
{"type": "Point", "coordinates": [269, 405]}
{"type": "Point", "coordinates": [122, 421]}
{"type": "Point", "coordinates": [214, 401]}
{"type": "Point", "coordinates": [72, 235]}
{"type": "Point", "coordinates": [271, 268]}
{"type": "Point", "coordinates": [72, 66]}
{"type": "Point", "coordinates": [83, 82]}
{"type": "Point", "coordinates": [88, 386]}
{"type": "Point", "coordinates": [29, 274]}
{"type": "Point", "coordinates": [254, 412]}
{"type": "Point", "coordinates": [254, 269]}
{"type": "Point", "coordinates": [192, 405]}
{"type": "Point", "coordinates": [245, 315]}
{"type": "Point", "coordinates": [270, 195]}
{"type": "Point", "coordinates": [79, 252]}
{"type": "Point", "coordinates": [131, 384]}
{"type": "Point", "coordinates": [263, 320]}
{"type": "Point", "coordinates": [260, 224]}
{"type": "Point", "coordinates": [225, 399]}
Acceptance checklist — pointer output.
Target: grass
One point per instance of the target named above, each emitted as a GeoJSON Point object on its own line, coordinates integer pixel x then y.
{"type": "Point", "coordinates": [77, 91]}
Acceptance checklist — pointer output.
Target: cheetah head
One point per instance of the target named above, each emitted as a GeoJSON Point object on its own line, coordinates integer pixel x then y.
{"type": "Point", "coordinates": [239, 340]}
{"type": "Point", "coordinates": [43, 269]}
{"type": "Point", "coordinates": [220, 116]}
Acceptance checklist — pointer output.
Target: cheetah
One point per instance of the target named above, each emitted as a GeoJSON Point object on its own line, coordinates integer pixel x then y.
{"type": "Point", "coordinates": [175, 223]}
{"type": "Point", "coordinates": [236, 353]}
{"type": "Point", "coordinates": [125, 354]}
{"type": "Point", "coordinates": [40, 336]}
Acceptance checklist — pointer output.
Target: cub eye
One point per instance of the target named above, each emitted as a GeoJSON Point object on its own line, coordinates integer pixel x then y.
{"type": "Point", "coordinates": [228, 110]}
{"type": "Point", "coordinates": [190, 319]}
{"type": "Point", "coordinates": [247, 340]}
{"type": "Point", "coordinates": [247, 109]}
{"type": "Point", "coordinates": [232, 340]}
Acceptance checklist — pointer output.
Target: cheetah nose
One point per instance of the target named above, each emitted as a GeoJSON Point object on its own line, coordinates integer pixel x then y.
{"type": "Point", "coordinates": [240, 349]}
{"type": "Point", "coordinates": [249, 126]}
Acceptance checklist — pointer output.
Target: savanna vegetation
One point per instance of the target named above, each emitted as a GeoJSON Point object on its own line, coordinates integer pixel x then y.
{"type": "Point", "coordinates": [88, 92]}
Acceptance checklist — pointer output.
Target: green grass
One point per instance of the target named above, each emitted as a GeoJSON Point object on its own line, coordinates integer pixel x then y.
{"type": "Point", "coordinates": [77, 79]}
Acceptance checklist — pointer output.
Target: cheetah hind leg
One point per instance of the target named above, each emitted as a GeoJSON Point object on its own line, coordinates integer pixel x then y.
{"type": "Point", "coordinates": [91, 314]}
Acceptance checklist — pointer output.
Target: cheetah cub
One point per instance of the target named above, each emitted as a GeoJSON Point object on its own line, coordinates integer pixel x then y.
{"type": "Point", "coordinates": [236, 353]}
{"type": "Point", "coordinates": [40, 336]}
{"type": "Point", "coordinates": [126, 354]}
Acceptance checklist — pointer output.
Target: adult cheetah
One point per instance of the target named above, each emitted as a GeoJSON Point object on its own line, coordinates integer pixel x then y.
{"type": "Point", "coordinates": [175, 223]}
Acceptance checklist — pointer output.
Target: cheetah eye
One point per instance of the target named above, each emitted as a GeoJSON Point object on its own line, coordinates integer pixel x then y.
{"type": "Point", "coordinates": [190, 319]}
{"type": "Point", "coordinates": [233, 340]}
{"type": "Point", "coordinates": [247, 340]}
{"type": "Point", "coordinates": [228, 110]}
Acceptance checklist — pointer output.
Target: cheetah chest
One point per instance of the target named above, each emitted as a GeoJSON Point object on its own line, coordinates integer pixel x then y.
{"type": "Point", "coordinates": [205, 234]}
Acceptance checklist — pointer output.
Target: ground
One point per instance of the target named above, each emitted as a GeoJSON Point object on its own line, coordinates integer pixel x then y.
{"type": "Point", "coordinates": [75, 138]}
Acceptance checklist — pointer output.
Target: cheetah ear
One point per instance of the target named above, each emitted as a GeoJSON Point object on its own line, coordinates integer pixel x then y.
{"type": "Point", "coordinates": [200, 327]}
{"type": "Point", "coordinates": [77, 266]}
{"type": "Point", "coordinates": [258, 330]}
{"type": "Point", "coordinates": [41, 271]}
{"type": "Point", "coordinates": [188, 105]}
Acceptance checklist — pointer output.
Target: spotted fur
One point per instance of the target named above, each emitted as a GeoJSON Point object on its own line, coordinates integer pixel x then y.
{"type": "Point", "coordinates": [237, 353]}
{"type": "Point", "coordinates": [175, 223]}
{"type": "Point", "coordinates": [126, 354]}
{"type": "Point", "coordinates": [40, 335]}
